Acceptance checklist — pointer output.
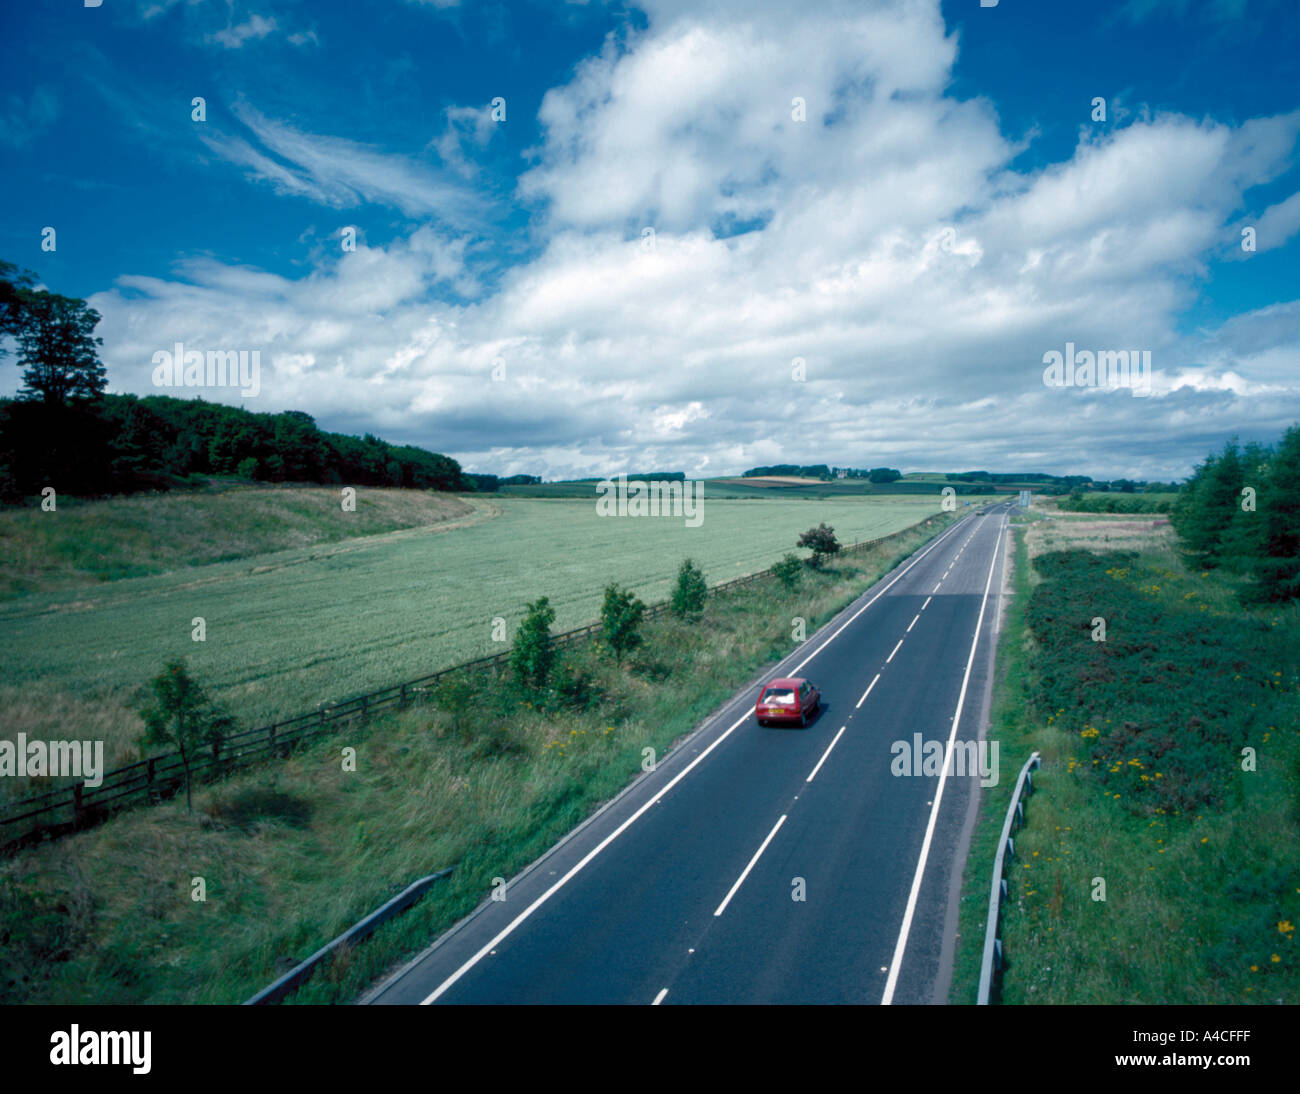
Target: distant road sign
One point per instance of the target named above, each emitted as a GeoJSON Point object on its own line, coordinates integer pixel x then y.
{"type": "Point", "coordinates": [1024, 499]}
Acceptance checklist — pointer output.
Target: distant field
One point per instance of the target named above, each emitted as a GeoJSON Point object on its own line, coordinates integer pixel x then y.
{"type": "Point", "coordinates": [769, 487]}
{"type": "Point", "coordinates": [87, 543]}
{"type": "Point", "coordinates": [767, 480]}
{"type": "Point", "coordinates": [765, 489]}
{"type": "Point", "coordinates": [289, 629]}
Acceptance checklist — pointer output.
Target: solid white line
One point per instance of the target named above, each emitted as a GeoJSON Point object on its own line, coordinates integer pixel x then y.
{"type": "Point", "coordinates": [868, 691]}
{"type": "Point", "coordinates": [510, 927]}
{"type": "Point", "coordinates": [825, 754]}
{"type": "Point", "coordinates": [896, 964]}
{"type": "Point", "coordinates": [927, 603]}
{"type": "Point", "coordinates": [660, 997]}
{"type": "Point", "coordinates": [913, 623]}
{"type": "Point", "coordinates": [740, 880]}
{"type": "Point", "coordinates": [891, 656]}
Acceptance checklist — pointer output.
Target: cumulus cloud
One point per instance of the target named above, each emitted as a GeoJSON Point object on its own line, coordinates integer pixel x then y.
{"type": "Point", "coordinates": [880, 235]}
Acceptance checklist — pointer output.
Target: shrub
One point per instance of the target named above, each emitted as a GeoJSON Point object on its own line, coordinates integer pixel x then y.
{"type": "Point", "coordinates": [691, 591]}
{"type": "Point", "coordinates": [787, 571]}
{"type": "Point", "coordinates": [821, 541]}
{"type": "Point", "coordinates": [532, 656]}
{"type": "Point", "coordinates": [620, 616]}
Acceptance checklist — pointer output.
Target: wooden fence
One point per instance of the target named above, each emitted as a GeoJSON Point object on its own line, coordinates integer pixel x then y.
{"type": "Point", "coordinates": [68, 808]}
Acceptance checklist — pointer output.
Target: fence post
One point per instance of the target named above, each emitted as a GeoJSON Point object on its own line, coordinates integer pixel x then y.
{"type": "Point", "coordinates": [150, 790]}
{"type": "Point", "coordinates": [77, 808]}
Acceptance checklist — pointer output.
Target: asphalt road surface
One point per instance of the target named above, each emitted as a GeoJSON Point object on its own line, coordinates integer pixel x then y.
{"type": "Point", "coordinates": [770, 865]}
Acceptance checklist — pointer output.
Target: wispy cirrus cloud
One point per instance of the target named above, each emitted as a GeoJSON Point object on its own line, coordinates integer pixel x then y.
{"type": "Point", "coordinates": [23, 119]}
{"type": "Point", "coordinates": [342, 173]}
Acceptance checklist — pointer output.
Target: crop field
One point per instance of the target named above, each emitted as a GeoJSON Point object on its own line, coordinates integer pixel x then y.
{"type": "Point", "coordinates": [287, 630]}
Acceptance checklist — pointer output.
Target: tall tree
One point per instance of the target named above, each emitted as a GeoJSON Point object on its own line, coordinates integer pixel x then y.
{"type": "Point", "coordinates": [1278, 566]}
{"type": "Point", "coordinates": [15, 283]}
{"type": "Point", "coordinates": [56, 349]}
{"type": "Point", "coordinates": [1206, 507]}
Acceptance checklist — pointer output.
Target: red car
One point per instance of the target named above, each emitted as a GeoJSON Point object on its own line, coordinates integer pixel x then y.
{"type": "Point", "coordinates": [788, 699]}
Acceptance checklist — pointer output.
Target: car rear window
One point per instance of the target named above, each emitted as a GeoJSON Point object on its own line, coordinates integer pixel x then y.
{"type": "Point", "coordinates": [783, 696]}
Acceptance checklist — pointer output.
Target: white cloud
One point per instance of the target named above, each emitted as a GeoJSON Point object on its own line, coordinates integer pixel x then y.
{"type": "Point", "coordinates": [234, 35]}
{"type": "Point", "coordinates": [1278, 224]}
{"type": "Point", "coordinates": [886, 240]}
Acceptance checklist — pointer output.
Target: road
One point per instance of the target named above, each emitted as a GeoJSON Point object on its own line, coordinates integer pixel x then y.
{"type": "Point", "coordinates": [769, 865]}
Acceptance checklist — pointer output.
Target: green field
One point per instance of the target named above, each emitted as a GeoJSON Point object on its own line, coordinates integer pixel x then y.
{"type": "Point", "coordinates": [288, 630]}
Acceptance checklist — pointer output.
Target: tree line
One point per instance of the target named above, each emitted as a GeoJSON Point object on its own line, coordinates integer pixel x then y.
{"type": "Point", "coordinates": [1240, 513]}
{"type": "Point", "coordinates": [64, 430]}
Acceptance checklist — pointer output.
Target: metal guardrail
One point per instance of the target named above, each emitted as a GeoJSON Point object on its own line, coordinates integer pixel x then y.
{"type": "Point", "coordinates": [991, 966]}
{"type": "Point", "coordinates": [79, 806]}
{"type": "Point", "coordinates": [302, 972]}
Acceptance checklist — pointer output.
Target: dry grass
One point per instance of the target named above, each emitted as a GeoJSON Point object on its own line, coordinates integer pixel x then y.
{"type": "Point", "coordinates": [1119, 533]}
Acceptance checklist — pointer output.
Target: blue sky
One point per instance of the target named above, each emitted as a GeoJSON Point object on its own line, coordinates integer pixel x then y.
{"type": "Point", "coordinates": [946, 213]}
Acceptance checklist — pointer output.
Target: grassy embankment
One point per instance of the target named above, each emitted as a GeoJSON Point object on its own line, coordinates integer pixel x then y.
{"type": "Point", "coordinates": [84, 543]}
{"type": "Point", "coordinates": [296, 851]}
{"type": "Point", "coordinates": [1142, 783]}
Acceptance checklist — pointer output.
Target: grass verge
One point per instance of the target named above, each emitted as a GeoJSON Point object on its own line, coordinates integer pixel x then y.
{"type": "Point", "coordinates": [1145, 796]}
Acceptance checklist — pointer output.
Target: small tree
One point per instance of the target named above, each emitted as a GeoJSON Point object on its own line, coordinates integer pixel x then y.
{"type": "Point", "coordinates": [533, 656]}
{"type": "Point", "coordinates": [787, 570]}
{"type": "Point", "coordinates": [620, 616]}
{"type": "Point", "coordinates": [691, 591]}
{"type": "Point", "coordinates": [821, 541]}
{"type": "Point", "coordinates": [182, 715]}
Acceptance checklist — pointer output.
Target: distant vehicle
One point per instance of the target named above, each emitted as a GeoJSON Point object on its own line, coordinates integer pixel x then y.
{"type": "Point", "coordinates": [788, 700]}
